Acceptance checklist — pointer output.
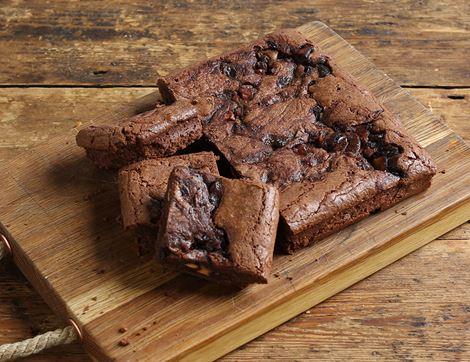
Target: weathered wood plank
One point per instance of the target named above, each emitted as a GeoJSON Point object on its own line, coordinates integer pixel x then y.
{"type": "Point", "coordinates": [422, 316]}
{"type": "Point", "coordinates": [30, 116]}
{"type": "Point", "coordinates": [49, 192]}
{"type": "Point", "coordinates": [304, 329]}
{"type": "Point", "coordinates": [117, 42]}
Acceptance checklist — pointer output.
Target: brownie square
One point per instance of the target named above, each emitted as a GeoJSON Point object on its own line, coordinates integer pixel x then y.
{"type": "Point", "coordinates": [160, 132]}
{"type": "Point", "coordinates": [285, 114]}
{"type": "Point", "coordinates": [142, 188]}
{"type": "Point", "coordinates": [221, 229]}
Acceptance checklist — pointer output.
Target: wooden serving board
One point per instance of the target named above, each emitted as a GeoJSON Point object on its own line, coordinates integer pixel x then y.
{"type": "Point", "coordinates": [59, 213]}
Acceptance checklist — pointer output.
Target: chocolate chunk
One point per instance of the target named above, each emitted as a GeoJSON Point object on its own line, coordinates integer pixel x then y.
{"type": "Point", "coordinates": [323, 70]}
{"type": "Point", "coordinates": [338, 142]}
{"type": "Point", "coordinates": [223, 230]}
{"type": "Point", "coordinates": [303, 54]}
{"type": "Point", "coordinates": [229, 70]}
{"type": "Point", "coordinates": [271, 44]}
{"type": "Point", "coordinates": [317, 110]}
{"type": "Point", "coordinates": [142, 188]}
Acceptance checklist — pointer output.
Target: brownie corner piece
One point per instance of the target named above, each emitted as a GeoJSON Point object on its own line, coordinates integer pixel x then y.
{"type": "Point", "coordinates": [160, 132]}
{"type": "Point", "coordinates": [220, 229]}
{"type": "Point", "coordinates": [142, 188]}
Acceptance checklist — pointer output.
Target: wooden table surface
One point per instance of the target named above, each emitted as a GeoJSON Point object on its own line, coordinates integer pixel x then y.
{"type": "Point", "coordinates": [63, 61]}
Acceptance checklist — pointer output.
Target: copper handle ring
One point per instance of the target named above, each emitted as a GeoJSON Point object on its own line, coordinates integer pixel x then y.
{"type": "Point", "coordinates": [5, 241]}
{"type": "Point", "coordinates": [77, 329]}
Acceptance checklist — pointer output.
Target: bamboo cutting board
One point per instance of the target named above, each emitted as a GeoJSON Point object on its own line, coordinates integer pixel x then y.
{"type": "Point", "coordinates": [59, 213]}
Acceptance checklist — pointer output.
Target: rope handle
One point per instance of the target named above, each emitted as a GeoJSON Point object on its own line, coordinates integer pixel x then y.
{"type": "Point", "coordinates": [28, 347]}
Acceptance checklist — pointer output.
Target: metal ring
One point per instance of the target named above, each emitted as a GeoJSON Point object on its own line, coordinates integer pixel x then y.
{"type": "Point", "coordinates": [7, 244]}
{"type": "Point", "coordinates": [77, 329]}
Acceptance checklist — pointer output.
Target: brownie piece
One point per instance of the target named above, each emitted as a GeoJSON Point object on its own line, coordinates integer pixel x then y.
{"type": "Point", "coordinates": [157, 133]}
{"type": "Point", "coordinates": [218, 228]}
{"type": "Point", "coordinates": [285, 114]}
{"type": "Point", "coordinates": [142, 188]}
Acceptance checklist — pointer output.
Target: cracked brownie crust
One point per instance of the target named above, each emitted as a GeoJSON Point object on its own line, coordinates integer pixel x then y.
{"type": "Point", "coordinates": [157, 133]}
{"type": "Point", "coordinates": [142, 188]}
{"type": "Point", "coordinates": [281, 112]}
{"type": "Point", "coordinates": [287, 115]}
{"type": "Point", "coordinates": [219, 228]}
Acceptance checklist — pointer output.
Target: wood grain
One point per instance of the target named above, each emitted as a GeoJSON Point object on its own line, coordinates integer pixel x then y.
{"type": "Point", "coordinates": [97, 262]}
{"type": "Point", "coordinates": [38, 114]}
{"type": "Point", "coordinates": [393, 315]}
{"type": "Point", "coordinates": [382, 316]}
{"type": "Point", "coordinates": [117, 42]}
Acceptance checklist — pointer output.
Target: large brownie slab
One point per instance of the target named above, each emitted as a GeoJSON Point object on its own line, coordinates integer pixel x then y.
{"type": "Point", "coordinates": [281, 112]}
{"type": "Point", "coordinates": [287, 115]}
{"type": "Point", "coordinates": [142, 188]}
{"type": "Point", "coordinates": [218, 228]}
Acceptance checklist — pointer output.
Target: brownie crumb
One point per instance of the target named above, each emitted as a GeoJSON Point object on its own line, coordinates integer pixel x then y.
{"type": "Point", "coordinates": [404, 213]}
{"type": "Point", "coordinates": [443, 172]}
{"type": "Point", "coordinates": [94, 299]}
{"type": "Point", "coordinates": [122, 330]}
{"type": "Point", "coordinates": [124, 342]}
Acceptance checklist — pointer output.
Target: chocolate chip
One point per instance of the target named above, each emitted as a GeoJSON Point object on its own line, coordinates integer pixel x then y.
{"type": "Point", "coordinates": [184, 188]}
{"type": "Point", "coordinates": [380, 163]}
{"type": "Point", "coordinates": [391, 150]}
{"type": "Point", "coordinates": [307, 71]}
{"type": "Point", "coordinates": [238, 128]}
{"type": "Point", "coordinates": [272, 45]}
{"type": "Point", "coordinates": [354, 143]}
{"type": "Point", "coordinates": [301, 150]}
{"type": "Point", "coordinates": [261, 67]}
{"type": "Point", "coordinates": [323, 70]}
{"type": "Point", "coordinates": [317, 110]}
{"type": "Point", "coordinates": [283, 81]}
{"type": "Point", "coordinates": [215, 192]}
{"type": "Point", "coordinates": [393, 167]}
{"type": "Point", "coordinates": [377, 137]}
{"type": "Point", "coordinates": [263, 58]}
{"type": "Point", "coordinates": [278, 142]}
{"type": "Point", "coordinates": [338, 142]}
{"type": "Point", "coordinates": [229, 70]}
{"type": "Point", "coordinates": [303, 53]}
